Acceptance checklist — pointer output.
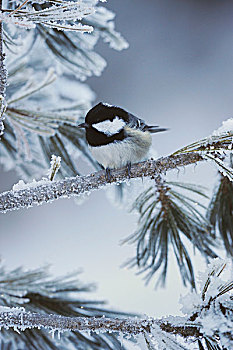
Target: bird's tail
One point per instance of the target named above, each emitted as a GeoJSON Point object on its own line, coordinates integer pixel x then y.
{"type": "Point", "coordinates": [154, 128]}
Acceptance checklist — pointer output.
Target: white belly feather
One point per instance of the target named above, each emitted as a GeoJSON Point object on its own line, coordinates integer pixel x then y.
{"type": "Point", "coordinates": [117, 154]}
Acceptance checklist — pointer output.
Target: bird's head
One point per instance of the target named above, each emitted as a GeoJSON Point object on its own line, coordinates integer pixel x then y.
{"type": "Point", "coordinates": [105, 118]}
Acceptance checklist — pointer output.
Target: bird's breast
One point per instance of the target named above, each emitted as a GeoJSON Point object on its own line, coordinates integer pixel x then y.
{"type": "Point", "coordinates": [133, 148]}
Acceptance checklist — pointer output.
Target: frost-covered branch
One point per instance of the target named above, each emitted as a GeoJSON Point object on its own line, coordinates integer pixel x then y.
{"type": "Point", "coordinates": [57, 15]}
{"type": "Point", "coordinates": [2, 58]}
{"type": "Point", "coordinates": [22, 320]}
{"type": "Point", "coordinates": [38, 193]}
{"type": "Point", "coordinates": [207, 313]}
{"type": "Point", "coordinates": [2, 76]}
{"type": "Point", "coordinates": [74, 186]}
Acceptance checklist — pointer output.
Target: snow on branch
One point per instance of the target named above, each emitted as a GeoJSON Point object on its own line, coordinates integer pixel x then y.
{"type": "Point", "coordinates": [78, 185]}
{"type": "Point", "coordinates": [21, 320]}
{"type": "Point", "coordinates": [207, 317]}
{"type": "Point", "coordinates": [55, 165]}
{"type": "Point", "coordinates": [55, 15]}
{"type": "Point", "coordinates": [3, 77]}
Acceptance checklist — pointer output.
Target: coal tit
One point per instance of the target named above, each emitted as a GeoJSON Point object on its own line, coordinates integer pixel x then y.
{"type": "Point", "coordinates": [117, 138]}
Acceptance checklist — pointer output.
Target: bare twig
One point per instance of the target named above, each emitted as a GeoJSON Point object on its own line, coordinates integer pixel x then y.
{"type": "Point", "coordinates": [78, 185]}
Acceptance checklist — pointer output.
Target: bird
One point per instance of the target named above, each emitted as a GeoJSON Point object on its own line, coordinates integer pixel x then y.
{"type": "Point", "coordinates": [117, 138]}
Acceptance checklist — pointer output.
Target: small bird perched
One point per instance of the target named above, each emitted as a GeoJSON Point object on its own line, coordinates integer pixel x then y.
{"type": "Point", "coordinates": [117, 138]}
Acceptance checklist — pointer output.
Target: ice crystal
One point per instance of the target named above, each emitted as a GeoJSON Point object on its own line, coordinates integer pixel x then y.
{"type": "Point", "coordinates": [227, 126]}
{"type": "Point", "coordinates": [212, 307]}
{"type": "Point", "coordinates": [55, 164]}
{"type": "Point", "coordinates": [21, 185]}
{"type": "Point", "coordinates": [54, 16]}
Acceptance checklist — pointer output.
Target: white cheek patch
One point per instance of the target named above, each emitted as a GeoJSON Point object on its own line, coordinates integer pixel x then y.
{"type": "Point", "coordinates": [109, 127]}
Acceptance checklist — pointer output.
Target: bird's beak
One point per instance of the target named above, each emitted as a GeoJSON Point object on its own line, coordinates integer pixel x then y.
{"type": "Point", "coordinates": [83, 125]}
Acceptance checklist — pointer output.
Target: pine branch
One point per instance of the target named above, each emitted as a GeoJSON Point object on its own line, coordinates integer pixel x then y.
{"type": "Point", "coordinates": [167, 219]}
{"type": "Point", "coordinates": [220, 212]}
{"type": "Point", "coordinates": [2, 58]}
{"type": "Point", "coordinates": [3, 75]}
{"type": "Point", "coordinates": [61, 296]}
{"type": "Point", "coordinates": [131, 326]}
{"type": "Point", "coordinates": [78, 185]}
{"type": "Point", "coordinates": [208, 313]}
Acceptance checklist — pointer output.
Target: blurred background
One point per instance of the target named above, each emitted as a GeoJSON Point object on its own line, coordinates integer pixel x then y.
{"type": "Point", "coordinates": [177, 73]}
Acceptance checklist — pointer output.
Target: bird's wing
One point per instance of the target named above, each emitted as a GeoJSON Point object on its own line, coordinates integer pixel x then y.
{"type": "Point", "coordinates": [137, 123]}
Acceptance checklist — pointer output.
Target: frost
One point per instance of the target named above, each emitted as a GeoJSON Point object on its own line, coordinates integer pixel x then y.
{"type": "Point", "coordinates": [212, 307]}
{"type": "Point", "coordinates": [141, 342]}
{"type": "Point", "coordinates": [224, 169]}
{"type": "Point", "coordinates": [189, 302]}
{"type": "Point", "coordinates": [103, 19]}
{"type": "Point", "coordinates": [227, 126]}
{"type": "Point", "coordinates": [54, 16]}
{"type": "Point", "coordinates": [1, 127]}
{"type": "Point", "coordinates": [21, 185]}
{"type": "Point", "coordinates": [33, 86]}
{"type": "Point", "coordinates": [69, 27]}
{"type": "Point", "coordinates": [21, 22]}
{"type": "Point", "coordinates": [12, 310]}
{"type": "Point", "coordinates": [121, 338]}
{"type": "Point", "coordinates": [55, 164]}
{"type": "Point", "coordinates": [163, 340]}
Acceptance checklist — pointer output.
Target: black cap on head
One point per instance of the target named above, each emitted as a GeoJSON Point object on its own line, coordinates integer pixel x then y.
{"type": "Point", "coordinates": [103, 111]}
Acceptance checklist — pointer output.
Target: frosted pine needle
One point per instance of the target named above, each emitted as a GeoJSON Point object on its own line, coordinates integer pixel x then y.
{"type": "Point", "coordinates": [55, 165]}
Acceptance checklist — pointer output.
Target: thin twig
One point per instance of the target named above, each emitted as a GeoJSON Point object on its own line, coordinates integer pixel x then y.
{"type": "Point", "coordinates": [18, 8]}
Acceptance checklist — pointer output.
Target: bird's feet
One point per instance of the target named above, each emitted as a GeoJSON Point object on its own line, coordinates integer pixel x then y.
{"type": "Point", "coordinates": [108, 175]}
{"type": "Point", "coordinates": [129, 169]}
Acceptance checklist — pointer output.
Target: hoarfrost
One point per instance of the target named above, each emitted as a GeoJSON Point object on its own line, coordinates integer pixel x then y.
{"type": "Point", "coordinates": [55, 164]}
{"type": "Point", "coordinates": [224, 169]}
{"type": "Point", "coordinates": [141, 342]}
{"type": "Point", "coordinates": [21, 22]}
{"type": "Point", "coordinates": [21, 185]}
{"type": "Point", "coordinates": [102, 22]}
{"type": "Point", "coordinates": [12, 310]}
{"type": "Point", "coordinates": [121, 338]}
{"type": "Point", "coordinates": [1, 127]}
{"type": "Point", "coordinates": [227, 126]}
{"type": "Point", "coordinates": [189, 302]}
{"type": "Point", "coordinates": [54, 16]}
{"type": "Point", "coordinates": [164, 341]}
{"type": "Point", "coordinates": [212, 308]}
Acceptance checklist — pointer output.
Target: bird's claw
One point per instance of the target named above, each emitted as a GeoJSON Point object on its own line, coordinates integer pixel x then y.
{"type": "Point", "coordinates": [108, 174]}
{"type": "Point", "coordinates": [129, 169]}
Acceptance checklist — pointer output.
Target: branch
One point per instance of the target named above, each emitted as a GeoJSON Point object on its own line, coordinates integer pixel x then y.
{"type": "Point", "coordinates": [21, 320]}
{"type": "Point", "coordinates": [3, 75]}
{"type": "Point", "coordinates": [2, 57]}
{"type": "Point", "coordinates": [78, 185]}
